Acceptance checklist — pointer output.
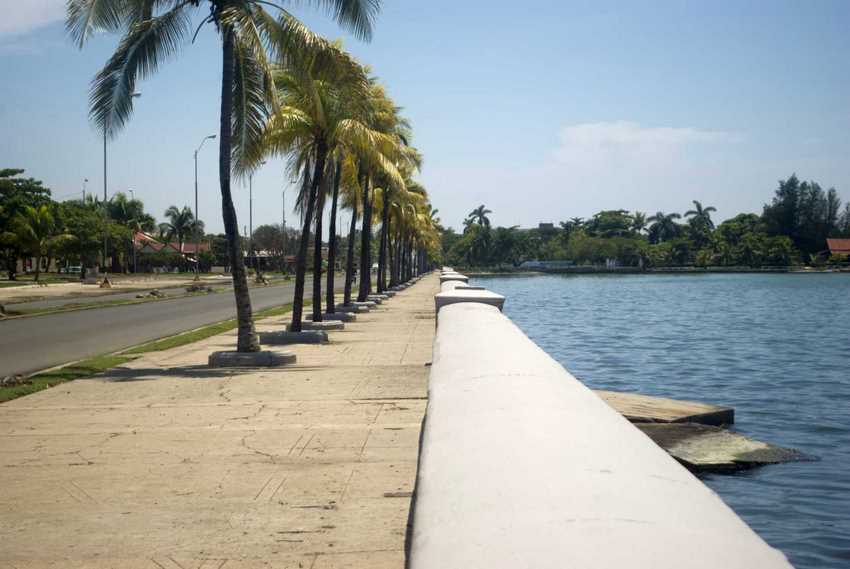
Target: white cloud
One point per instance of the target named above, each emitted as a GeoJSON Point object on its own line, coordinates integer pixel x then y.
{"type": "Point", "coordinates": [611, 165]}
{"type": "Point", "coordinates": [22, 16]}
{"type": "Point", "coordinates": [611, 143]}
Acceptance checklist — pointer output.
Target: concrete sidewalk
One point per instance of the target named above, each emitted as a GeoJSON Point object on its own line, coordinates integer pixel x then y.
{"type": "Point", "coordinates": [167, 464]}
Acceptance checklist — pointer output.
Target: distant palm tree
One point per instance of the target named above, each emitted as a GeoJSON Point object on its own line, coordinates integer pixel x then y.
{"type": "Point", "coordinates": [38, 234]}
{"type": "Point", "coordinates": [701, 215]}
{"type": "Point", "coordinates": [638, 222]}
{"type": "Point", "coordinates": [664, 227]}
{"type": "Point", "coordinates": [181, 224]}
{"type": "Point", "coordinates": [251, 40]}
{"type": "Point", "coordinates": [479, 215]}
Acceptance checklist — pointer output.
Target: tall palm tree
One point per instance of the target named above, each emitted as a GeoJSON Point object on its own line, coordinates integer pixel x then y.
{"type": "Point", "coordinates": [664, 227]}
{"type": "Point", "coordinates": [38, 234]}
{"type": "Point", "coordinates": [479, 215]}
{"type": "Point", "coordinates": [251, 37]}
{"type": "Point", "coordinates": [319, 121]}
{"type": "Point", "coordinates": [701, 215]}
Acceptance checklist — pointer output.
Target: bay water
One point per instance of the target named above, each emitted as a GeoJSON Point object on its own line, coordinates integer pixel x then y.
{"type": "Point", "coordinates": [776, 347]}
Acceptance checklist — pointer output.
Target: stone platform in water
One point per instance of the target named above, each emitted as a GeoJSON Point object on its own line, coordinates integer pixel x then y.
{"type": "Point", "coordinates": [703, 448]}
{"type": "Point", "coordinates": [691, 432]}
{"type": "Point", "coordinates": [647, 409]}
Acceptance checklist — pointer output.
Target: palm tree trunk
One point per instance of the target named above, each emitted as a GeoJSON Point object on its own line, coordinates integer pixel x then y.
{"type": "Point", "coordinates": [37, 266]}
{"type": "Point", "coordinates": [391, 259]}
{"type": "Point", "coordinates": [382, 251]}
{"type": "Point", "coordinates": [365, 246]}
{"type": "Point", "coordinates": [349, 262]}
{"type": "Point", "coordinates": [330, 306]}
{"type": "Point", "coordinates": [247, 338]}
{"type": "Point", "coordinates": [301, 261]}
{"type": "Point", "coordinates": [317, 250]}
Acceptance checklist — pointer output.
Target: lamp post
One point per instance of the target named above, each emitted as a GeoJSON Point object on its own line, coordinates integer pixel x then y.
{"type": "Point", "coordinates": [197, 252]}
{"type": "Point", "coordinates": [283, 229]}
{"type": "Point", "coordinates": [251, 218]}
{"type": "Point", "coordinates": [106, 195]}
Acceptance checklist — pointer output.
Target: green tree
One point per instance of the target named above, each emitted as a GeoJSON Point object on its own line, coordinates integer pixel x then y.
{"type": "Point", "coordinates": [251, 39]}
{"type": "Point", "coordinates": [16, 194]}
{"type": "Point", "coordinates": [479, 215]}
{"type": "Point", "coordinates": [38, 234]}
{"type": "Point", "coordinates": [664, 227]}
{"type": "Point", "coordinates": [181, 225]}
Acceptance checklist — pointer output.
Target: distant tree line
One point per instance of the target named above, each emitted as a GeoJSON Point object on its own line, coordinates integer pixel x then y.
{"type": "Point", "coordinates": [792, 229]}
{"type": "Point", "coordinates": [35, 226]}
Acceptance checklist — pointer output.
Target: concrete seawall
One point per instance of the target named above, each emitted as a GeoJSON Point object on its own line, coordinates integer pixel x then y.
{"type": "Point", "coordinates": [521, 465]}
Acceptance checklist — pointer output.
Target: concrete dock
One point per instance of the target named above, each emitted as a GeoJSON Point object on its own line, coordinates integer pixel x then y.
{"type": "Point", "coordinates": [166, 464]}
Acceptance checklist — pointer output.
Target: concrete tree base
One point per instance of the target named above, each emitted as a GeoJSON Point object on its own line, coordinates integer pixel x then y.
{"type": "Point", "coordinates": [378, 298]}
{"type": "Point", "coordinates": [287, 338]}
{"type": "Point", "coordinates": [341, 316]}
{"type": "Point", "coordinates": [389, 293]}
{"type": "Point", "coordinates": [366, 303]}
{"type": "Point", "coordinates": [308, 325]}
{"type": "Point", "coordinates": [263, 358]}
{"type": "Point", "coordinates": [351, 309]}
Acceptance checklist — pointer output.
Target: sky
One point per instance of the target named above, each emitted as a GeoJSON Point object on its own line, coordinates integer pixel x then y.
{"type": "Point", "coordinates": [542, 111]}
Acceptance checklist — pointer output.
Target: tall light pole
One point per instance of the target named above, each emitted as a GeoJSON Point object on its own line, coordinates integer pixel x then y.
{"type": "Point", "coordinates": [283, 229]}
{"type": "Point", "coordinates": [251, 218]}
{"type": "Point", "coordinates": [105, 193]}
{"type": "Point", "coordinates": [197, 252]}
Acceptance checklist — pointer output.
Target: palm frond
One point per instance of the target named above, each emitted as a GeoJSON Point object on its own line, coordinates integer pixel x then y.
{"type": "Point", "coordinates": [250, 95]}
{"type": "Point", "coordinates": [139, 54]}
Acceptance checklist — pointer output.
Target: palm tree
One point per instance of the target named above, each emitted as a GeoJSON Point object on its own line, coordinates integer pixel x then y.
{"type": "Point", "coordinates": [639, 222]}
{"type": "Point", "coordinates": [181, 224]}
{"type": "Point", "coordinates": [319, 122]}
{"type": "Point", "coordinates": [251, 38]}
{"type": "Point", "coordinates": [664, 227]}
{"type": "Point", "coordinates": [38, 234]}
{"type": "Point", "coordinates": [479, 215]}
{"type": "Point", "coordinates": [701, 215]}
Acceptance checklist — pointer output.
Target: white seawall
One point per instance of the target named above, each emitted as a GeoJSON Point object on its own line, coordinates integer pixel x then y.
{"type": "Point", "coordinates": [522, 466]}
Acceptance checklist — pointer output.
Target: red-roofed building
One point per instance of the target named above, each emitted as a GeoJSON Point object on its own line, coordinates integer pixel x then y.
{"type": "Point", "coordinates": [838, 246]}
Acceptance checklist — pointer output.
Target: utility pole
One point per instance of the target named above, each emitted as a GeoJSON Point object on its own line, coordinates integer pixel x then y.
{"type": "Point", "coordinates": [197, 217]}
{"type": "Point", "coordinates": [106, 198]}
{"type": "Point", "coordinates": [283, 228]}
{"type": "Point", "coordinates": [251, 219]}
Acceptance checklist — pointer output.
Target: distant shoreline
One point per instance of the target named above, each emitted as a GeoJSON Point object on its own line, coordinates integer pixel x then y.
{"type": "Point", "coordinates": [659, 270]}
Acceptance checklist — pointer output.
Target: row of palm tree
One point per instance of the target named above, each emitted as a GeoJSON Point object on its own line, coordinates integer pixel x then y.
{"type": "Point", "coordinates": [285, 92]}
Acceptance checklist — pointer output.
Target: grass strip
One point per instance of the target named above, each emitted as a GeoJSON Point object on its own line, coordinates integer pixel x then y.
{"type": "Point", "coordinates": [100, 364]}
{"type": "Point", "coordinates": [79, 370]}
{"type": "Point", "coordinates": [203, 332]}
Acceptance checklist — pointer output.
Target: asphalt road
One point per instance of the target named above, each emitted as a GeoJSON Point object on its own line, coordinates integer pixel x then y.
{"type": "Point", "coordinates": [38, 342]}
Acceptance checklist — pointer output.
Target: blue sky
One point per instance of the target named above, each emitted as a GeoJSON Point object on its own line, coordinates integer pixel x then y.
{"type": "Point", "coordinates": [542, 111]}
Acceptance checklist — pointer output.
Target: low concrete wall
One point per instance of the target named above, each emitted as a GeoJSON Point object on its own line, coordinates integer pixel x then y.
{"type": "Point", "coordinates": [522, 466]}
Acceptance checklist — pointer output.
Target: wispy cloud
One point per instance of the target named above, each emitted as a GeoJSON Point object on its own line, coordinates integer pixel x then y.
{"type": "Point", "coordinates": [22, 16]}
{"type": "Point", "coordinates": [617, 164]}
{"type": "Point", "coordinates": [612, 143]}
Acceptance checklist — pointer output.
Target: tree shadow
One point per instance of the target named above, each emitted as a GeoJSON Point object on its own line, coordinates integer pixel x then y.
{"type": "Point", "coordinates": [198, 371]}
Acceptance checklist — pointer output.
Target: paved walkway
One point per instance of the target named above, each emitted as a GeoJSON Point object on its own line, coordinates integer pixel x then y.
{"type": "Point", "coordinates": [167, 464]}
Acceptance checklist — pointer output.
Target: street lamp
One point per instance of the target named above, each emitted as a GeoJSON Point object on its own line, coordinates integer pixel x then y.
{"type": "Point", "coordinates": [135, 230]}
{"type": "Point", "coordinates": [251, 217]}
{"type": "Point", "coordinates": [105, 194]}
{"type": "Point", "coordinates": [198, 253]}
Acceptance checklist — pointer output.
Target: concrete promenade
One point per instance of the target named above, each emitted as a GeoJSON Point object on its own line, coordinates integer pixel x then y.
{"type": "Point", "coordinates": [166, 464]}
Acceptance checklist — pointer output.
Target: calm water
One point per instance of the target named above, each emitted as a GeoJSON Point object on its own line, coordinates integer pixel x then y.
{"type": "Point", "coordinates": [776, 347]}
